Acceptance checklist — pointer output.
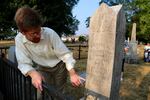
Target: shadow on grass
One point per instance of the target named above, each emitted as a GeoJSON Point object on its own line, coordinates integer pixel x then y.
{"type": "Point", "coordinates": [135, 85]}
{"type": "Point", "coordinates": [143, 90]}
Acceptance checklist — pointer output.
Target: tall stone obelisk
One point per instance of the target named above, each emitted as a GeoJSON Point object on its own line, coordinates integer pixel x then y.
{"type": "Point", "coordinates": [133, 57]}
{"type": "Point", "coordinates": [105, 53]}
{"type": "Point", "coordinates": [133, 35]}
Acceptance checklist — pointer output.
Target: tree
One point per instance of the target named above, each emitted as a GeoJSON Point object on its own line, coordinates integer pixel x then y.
{"type": "Point", "coordinates": [142, 17]}
{"type": "Point", "coordinates": [87, 21]}
{"type": "Point", "coordinates": [137, 11]}
{"type": "Point", "coordinates": [82, 38]}
{"type": "Point", "coordinates": [7, 12]}
{"type": "Point", "coordinates": [112, 3]}
{"type": "Point", "coordinates": [56, 14]}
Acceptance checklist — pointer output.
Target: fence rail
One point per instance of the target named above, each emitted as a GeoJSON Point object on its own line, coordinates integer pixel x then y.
{"type": "Point", "coordinates": [3, 50]}
{"type": "Point", "coordinates": [79, 51]}
{"type": "Point", "coordinates": [15, 86]}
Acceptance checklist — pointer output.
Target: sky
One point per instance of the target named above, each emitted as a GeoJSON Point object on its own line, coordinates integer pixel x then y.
{"type": "Point", "coordinates": [82, 11]}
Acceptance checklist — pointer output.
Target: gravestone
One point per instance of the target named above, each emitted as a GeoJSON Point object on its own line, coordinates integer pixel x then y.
{"type": "Point", "coordinates": [133, 58]}
{"type": "Point", "coordinates": [11, 54]}
{"type": "Point", "coordinates": [128, 40]}
{"type": "Point", "coordinates": [105, 53]}
{"type": "Point", "coordinates": [133, 35]}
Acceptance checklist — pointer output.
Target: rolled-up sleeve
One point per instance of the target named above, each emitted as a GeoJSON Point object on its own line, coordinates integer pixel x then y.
{"type": "Point", "coordinates": [61, 51]}
{"type": "Point", "coordinates": [25, 68]}
{"type": "Point", "coordinates": [68, 59]}
{"type": "Point", "coordinates": [23, 59]}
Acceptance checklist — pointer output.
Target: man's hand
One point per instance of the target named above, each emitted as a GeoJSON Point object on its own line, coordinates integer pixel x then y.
{"type": "Point", "coordinates": [126, 50]}
{"type": "Point", "coordinates": [74, 78]}
{"type": "Point", "coordinates": [36, 79]}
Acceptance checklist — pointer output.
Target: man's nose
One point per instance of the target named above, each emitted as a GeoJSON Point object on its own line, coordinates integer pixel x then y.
{"type": "Point", "coordinates": [37, 35]}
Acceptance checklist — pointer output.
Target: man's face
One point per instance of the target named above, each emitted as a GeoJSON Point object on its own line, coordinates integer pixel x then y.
{"type": "Point", "coordinates": [33, 34]}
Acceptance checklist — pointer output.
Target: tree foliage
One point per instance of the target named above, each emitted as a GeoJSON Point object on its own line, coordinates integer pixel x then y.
{"type": "Point", "coordinates": [5, 19]}
{"type": "Point", "coordinates": [112, 3]}
{"type": "Point", "coordinates": [82, 38]}
{"type": "Point", "coordinates": [136, 11]}
{"type": "Point", "coordinates": [141, 16]}
{"type": "Point", "coordinates": [57, 14]}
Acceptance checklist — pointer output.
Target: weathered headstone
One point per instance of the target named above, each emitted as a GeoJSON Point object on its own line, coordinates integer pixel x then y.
{"type": "Point", "coordinates": [133, 58]}
{"type": "Point", "coordinates": [105, 54]}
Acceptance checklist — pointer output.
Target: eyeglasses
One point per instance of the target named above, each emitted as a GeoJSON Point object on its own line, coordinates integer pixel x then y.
{"type": "Point", "coordinates": [33, 32]}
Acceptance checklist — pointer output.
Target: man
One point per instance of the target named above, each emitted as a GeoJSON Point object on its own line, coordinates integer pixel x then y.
{"type": "Point", "coordinates": [126, 48]}
{"type": "Point", "coordinates": [42, 46]}
{"type": "Point", "coordinates": [147, 52]}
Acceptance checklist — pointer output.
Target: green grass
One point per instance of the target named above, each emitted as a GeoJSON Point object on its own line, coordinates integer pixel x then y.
{"type": "Point", "coordinates": [135, 84]}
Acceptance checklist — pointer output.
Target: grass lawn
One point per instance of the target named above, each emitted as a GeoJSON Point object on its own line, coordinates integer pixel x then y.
{"type": "Point", "coordinates": [135, 84]}
{"type": "Point", "coordinates": [7, 43]}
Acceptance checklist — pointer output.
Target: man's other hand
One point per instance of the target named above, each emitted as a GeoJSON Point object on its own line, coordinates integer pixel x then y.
{"type": "Point", "coordinates": [37, 79]}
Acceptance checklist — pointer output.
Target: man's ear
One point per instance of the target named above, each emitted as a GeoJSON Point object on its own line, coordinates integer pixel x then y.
{"type": "Point", "coordinates": [22, 32]}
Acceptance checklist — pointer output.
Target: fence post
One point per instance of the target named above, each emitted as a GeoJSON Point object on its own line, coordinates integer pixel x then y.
{"type": "Point", "coordinates": [79, 51]}
{"type": "Point", "coordinates": [3, 51]}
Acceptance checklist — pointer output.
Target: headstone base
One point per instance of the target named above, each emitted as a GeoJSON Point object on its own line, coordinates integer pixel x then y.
{"type": "Point", "coordinates": [132, 57]}
{"type": "Point", "coordinates": [132, 61]}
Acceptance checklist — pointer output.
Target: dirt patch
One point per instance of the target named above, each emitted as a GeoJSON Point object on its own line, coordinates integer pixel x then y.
{"type": "Point", "coordinates": [135, 85]}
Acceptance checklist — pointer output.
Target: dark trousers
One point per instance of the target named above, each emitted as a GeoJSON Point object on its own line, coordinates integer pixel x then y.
{"type": "Point", "coordinates": [123, 61]}
{"type": "Point", "coordinates": [56, 76]}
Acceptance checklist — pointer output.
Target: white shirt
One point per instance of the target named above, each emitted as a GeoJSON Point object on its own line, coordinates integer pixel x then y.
{"type": "Point", "coordinates": [48, 52]}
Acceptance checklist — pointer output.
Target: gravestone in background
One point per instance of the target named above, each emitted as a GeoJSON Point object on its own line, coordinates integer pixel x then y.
{"type": "Point", "coordinates": [133, 35]}
{"type": "Point", "coordinates": [105, 53]}
{"type": "Point", "coordinates": [132, 57]}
